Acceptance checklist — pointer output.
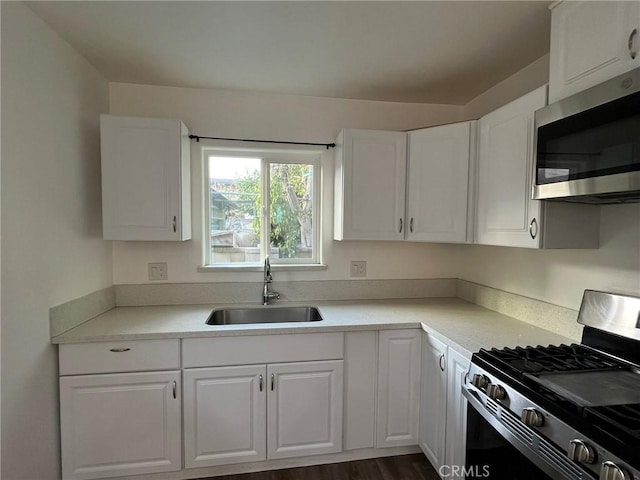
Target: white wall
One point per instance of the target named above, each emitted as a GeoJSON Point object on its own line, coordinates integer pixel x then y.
{"type": "Point", "coordinates": [560, 276]}
{"type": "Point", "coordinates": [52, 249]}
{"type": "Point", "coordinates": [228, 113]}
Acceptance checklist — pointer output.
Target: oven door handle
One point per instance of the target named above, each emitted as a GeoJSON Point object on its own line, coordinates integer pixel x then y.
{"type": "Point", "coordinates": [562, 469]}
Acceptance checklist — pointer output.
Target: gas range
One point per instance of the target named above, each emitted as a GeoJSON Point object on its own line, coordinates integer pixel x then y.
{"type": "Point", "coordinates": [571, 410]}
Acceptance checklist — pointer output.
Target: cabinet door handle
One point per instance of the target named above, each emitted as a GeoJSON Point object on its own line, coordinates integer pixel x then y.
{"type": "Point", "coordinates": [174, 223]}
{"type": "Point", "coordinates": [175, 389]}
{"type": "Point", "coordinates": [261, 382]}
{"type": "Point", "coordinates": [119, 350]}
{"type": "Point", "coordinates": [400, 225]}
{"type": "Point", "coordinates": [632, 36]}
{"type": "Point", "coordinates": [273, 381]}
{"type": "Point", "coordinates": [411, 225]}
{"type": "Point", "coordinates": [441, 362]}
{"type": "Point", "coordinates": [533, 228]}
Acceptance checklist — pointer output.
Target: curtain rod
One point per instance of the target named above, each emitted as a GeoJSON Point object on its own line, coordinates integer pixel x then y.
{"type": "Point", "coordinates": [326, 145]}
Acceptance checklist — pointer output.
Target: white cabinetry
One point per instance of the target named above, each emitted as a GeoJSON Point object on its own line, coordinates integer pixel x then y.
{"type": "Point", "coordinates": [304, 408]}
{"type": "Point", "coordinates": [455, 449]}
{"type": "Point", "coordinates": [506, 214]}
{"type": "Point", "coordinates": [433, 400]}
{"type": "Point", "coordinates": [591, 42]}
{"type": "Point", "coordinates": [438, 183]}
{"type": "Point", "coordinates": [360, 382]}
{"type": "Point", "coordinates": [236, 414]}
{"type": "Point", "coordinates": [146, 192]}
{"type": "Point", "coordinates": [371, 181]}
{"type": "Point", "coordinates": [443, 409]}
{"type": "Point", "coordinates": [398, 387]}
{"type": "Point", "coordinates": [122, 423]}
{"type": "Point", "coordinates": [370, 176]}
{"type": "Point", "coordinates": [224, 415]}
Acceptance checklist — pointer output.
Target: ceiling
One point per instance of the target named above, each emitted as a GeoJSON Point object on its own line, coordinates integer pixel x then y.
{"type": "Point", "coordinates": [422, 51]}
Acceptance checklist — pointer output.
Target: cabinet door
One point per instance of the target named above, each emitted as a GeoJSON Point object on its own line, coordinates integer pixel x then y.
{"type": "Point", "coordinates": [591, 42]}
{"type": "Point", "coordinates": [224, 415]}
{"type": "Point", "coordinates": [145, 184]}
{"type": "Point", "coordinates": [433, 400]}
{"type": "Point", "coordinates": [506, 214]}
{"type": "Point", "coordinates": [438, 175]}
{"type": "Point", "coordinates": [370, 185]}
{"type": "Point", "coordinates": [304, 408]}
{"type": "Point", "coordinates": [120, 424]}
{"type": "Point", "coordinates": [398, 387]}
{"type": "Point", "coordinates": [457, 368]}
{"type": "Point", "coordinates": [360, 374]}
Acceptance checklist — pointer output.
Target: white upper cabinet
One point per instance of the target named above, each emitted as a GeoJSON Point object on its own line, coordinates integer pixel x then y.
{"type": "Point", "coordinates": [146, 193]}
{"type": "Point", "coordinates": [590, 43]}
{"type": "Point", "coordinates": [506, 213]}
{"type": "Point", "coordinates": [438, 183]}
{"type": "Point", "coordinates": [370, 176]}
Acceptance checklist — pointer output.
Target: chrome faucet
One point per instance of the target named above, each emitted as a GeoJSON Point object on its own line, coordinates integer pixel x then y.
{"type": "Point", "coordinates": [266, 294]}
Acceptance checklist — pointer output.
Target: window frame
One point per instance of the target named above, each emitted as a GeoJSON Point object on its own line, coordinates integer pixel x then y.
{"type": "Point", "coordinates": [267, 158]}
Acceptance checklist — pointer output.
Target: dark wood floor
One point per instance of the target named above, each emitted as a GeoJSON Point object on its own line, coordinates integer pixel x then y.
{"type": "Point", "coordinates": [403, 467]}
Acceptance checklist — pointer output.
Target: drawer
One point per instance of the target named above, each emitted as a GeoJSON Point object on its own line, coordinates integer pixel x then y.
{"type": "Point", "coordinates": [254, 349]}
{"type": "Point", "coordinates": [109, 357]}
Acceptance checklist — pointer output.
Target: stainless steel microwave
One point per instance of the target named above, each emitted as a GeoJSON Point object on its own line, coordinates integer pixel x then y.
{"type": "Point", "coordinates": [588, 145]}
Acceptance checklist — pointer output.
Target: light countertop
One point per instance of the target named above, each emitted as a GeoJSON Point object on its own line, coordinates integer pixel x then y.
{"type": "Point", "coordinates": [463, 326]}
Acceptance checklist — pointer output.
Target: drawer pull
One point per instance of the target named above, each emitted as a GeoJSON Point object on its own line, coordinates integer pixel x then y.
{"type": "Point", "coordinates": [175, 389]}
{"type": "Point", "coordinates": [119, 350]}
{"type": "Point", "coordinates": [260, 382]}
{"type": "Point", "coordinates": [273, 381]}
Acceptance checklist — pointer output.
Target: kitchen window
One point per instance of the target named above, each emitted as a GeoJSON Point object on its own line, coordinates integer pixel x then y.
{"type": "Point", "coordinates": [262, 203]}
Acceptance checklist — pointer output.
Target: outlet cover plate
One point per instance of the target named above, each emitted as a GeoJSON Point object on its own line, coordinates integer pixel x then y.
{"type": "Point", "coordinates": [158, 272]}
{"type": "Point", "coordinates": [358, 268]}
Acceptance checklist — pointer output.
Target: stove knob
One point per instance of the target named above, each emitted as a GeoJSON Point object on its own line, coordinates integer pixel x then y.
{"type": "Point", "coordinates": [532, 417]}
{"type": "Point", "coordinates": [496, 392]}
{"type": "Point", "coordinates": [582, 452]}
{"type": "Point", "coordinates": [611, 471]}
{"type": "Point", "coordinates": [480, 381]}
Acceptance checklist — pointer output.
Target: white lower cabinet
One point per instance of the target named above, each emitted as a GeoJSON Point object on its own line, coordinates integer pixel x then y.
{"type": "Point", "coordinates": [398, 387]}
{"type": "Point", "coordinates": [120, 424]}
{"type": "Point", "coordinates": [456, 436]}
{"type": "Point", "coordinates": [304, 409]}
{"type": "Point", "coordinates": [255, 412]}
{"type": "Point", "coordinates": [224, 415]}
{"type": "Point", "coordinates": [443, 409]}
{"type": "Point", "coordinates": [433, 400]}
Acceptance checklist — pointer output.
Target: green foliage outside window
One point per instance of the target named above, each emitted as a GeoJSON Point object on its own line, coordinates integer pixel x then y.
{"type": "Point", "coordinates": [291, 196]}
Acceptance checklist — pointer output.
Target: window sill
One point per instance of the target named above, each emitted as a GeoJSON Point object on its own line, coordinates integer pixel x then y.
{"type": "Point", "coordinates": [292, 267]}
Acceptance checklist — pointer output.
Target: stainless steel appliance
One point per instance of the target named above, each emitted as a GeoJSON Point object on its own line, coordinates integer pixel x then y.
{"type": "Point", "coordinates": [562, 412]}
{"type": "Point", "coordinates": [588, 145]}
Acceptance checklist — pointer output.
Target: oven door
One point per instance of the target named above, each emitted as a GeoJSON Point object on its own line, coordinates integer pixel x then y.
{"type": "Point", "coordinates": [501, 447]}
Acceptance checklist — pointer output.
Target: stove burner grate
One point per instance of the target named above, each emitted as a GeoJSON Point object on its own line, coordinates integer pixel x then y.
{"type": "Point", "coordinates": [623, 420]}
{"type": "Point", "coordinates": [562, 358]}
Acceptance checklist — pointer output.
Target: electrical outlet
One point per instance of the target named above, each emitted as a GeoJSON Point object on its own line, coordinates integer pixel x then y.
{"type": "Point", "coordinates": [158, 271]}
{"type": "Point", "coordinates": [358, 268]}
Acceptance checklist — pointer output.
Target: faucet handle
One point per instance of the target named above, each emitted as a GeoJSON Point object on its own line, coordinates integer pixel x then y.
{"type": "Point", "coordinates": [267, 270]}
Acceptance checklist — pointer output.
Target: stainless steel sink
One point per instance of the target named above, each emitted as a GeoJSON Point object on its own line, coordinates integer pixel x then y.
{"type": "Point", "coordinates": [268, 314]}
